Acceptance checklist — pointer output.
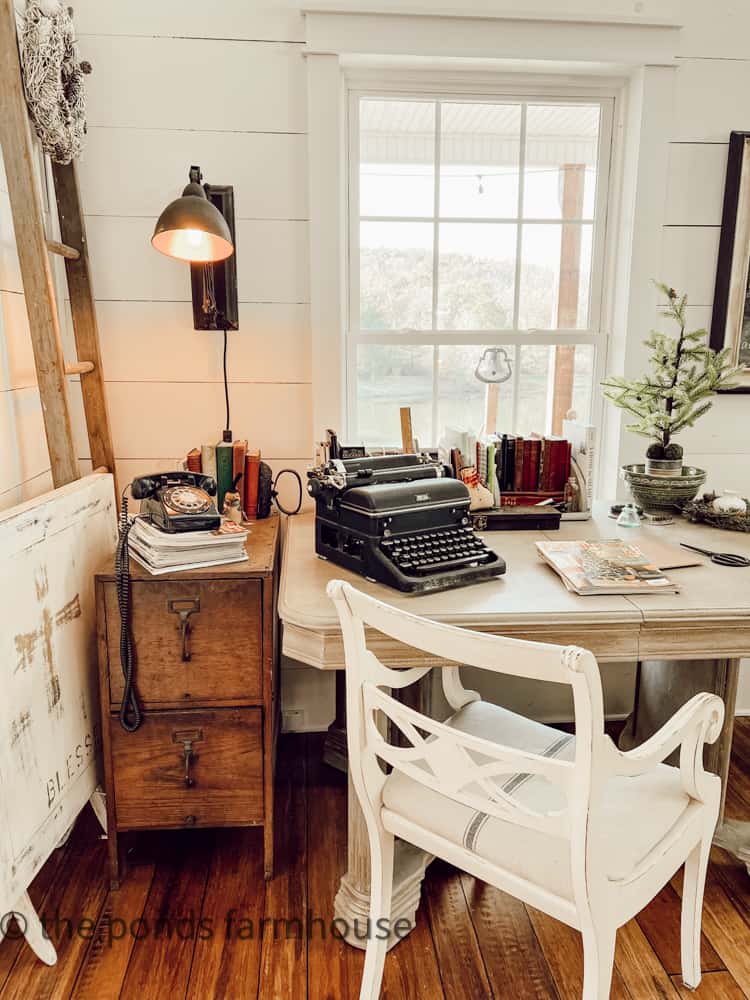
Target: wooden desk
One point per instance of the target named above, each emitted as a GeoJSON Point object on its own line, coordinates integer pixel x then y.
{"type": "Point", "coordinates": [707, 624]}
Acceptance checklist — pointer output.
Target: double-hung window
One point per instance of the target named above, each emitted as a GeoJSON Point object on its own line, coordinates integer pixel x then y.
{"type": "Point", "coordinates": [474, 223]}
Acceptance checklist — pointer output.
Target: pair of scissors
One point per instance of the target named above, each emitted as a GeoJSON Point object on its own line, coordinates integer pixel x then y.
{"type": "Point", "coordinates": [721, 558]}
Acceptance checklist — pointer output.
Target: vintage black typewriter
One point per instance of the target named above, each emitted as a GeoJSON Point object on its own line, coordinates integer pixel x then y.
{"type": "Point", "coordinates": [400, 520]}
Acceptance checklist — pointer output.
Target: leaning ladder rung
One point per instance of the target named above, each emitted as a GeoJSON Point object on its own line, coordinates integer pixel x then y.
{"type": "Point", "coordinates": [79, 368]}
{"type": "Point", "coordinates": [63, 250]}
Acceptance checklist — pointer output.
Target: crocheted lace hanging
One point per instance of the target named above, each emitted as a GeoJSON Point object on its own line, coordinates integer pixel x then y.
{"type": "Point", "coordinates": [53, 78]}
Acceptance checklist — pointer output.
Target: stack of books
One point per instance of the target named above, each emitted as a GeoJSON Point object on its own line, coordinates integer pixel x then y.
{"type": "Point", "coordinates": [609, 566]}
{"type": "Point", "coordinates": [160, 552]}
{"type": "Point", "coordinates": [228, 463]}
{"type": "Point", "coordinates": [526, 471]}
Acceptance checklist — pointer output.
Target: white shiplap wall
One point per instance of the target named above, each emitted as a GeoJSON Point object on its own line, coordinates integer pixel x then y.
{"type": "Point", "coordinates": [222, 86]}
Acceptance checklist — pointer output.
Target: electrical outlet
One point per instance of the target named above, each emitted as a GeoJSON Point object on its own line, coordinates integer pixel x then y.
{"type": "Point", "coordinates": [293, 719]}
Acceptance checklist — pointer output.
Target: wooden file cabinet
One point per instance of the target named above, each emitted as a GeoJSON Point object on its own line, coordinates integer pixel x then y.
{"type": "Point", "coordinates": [204, 755]}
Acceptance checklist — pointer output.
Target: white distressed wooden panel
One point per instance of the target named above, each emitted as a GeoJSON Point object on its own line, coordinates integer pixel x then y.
{"type": "Point", "coordinates": [246, 19]}
{"type": "Point", "coordinates": [155, 341]}
{"type": "Point", "coordinates": [49, 731]}
{"type": "Point", "coordinates": [688, 258]}
{"type": "Point", "coordinates": [272, 262]}
{"type": "Point", "coordinates": [17, 369]}
{"type": "Point", "coordinates": [268, 170]}
{"type": "Point", "coordinates": [10, 272]}
{"type": "Point", "coordinates": [715, 30]}
{"type": "Point", "coordinates": [711, 99]}
{"type": "Point", "coordinates": [183, 83]}
{"type": "Point", "coordinates": [695, 192]}
{"type": "Point", "coordinates": [156, 418]}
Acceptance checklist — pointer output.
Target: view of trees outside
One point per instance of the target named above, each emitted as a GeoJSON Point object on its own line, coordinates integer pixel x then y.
{"type": "Point", "coordinates": [480, 277]}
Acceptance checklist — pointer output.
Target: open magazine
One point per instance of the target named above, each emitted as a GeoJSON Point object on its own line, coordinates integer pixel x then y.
{"type": "Point", "coordinates": [609, 566]}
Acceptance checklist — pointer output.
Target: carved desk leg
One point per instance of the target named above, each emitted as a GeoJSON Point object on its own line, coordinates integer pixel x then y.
{"type": "Point", "coordinates": [663, 687]}
{"type": "Point", "coordinates": [334, 748]}
{"type": "Point", "coordinates": [352, 904]}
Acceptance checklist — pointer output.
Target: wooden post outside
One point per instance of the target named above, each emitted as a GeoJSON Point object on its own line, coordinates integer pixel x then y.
{"type": "Point", "coordinates": [407, 432]}
{"type": "Point", "coordinates": [574, 178]}
{"type": "Point", "coordinates": [492, 400]}
{"type": "Point", "coordinates": [83, 311]}
{"type": "Point", "coordinates": [36, 272]}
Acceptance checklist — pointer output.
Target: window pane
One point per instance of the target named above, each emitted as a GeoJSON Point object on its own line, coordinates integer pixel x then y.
{"type": "Point", "coordinates": [462, 398]}
{"type": "Point", "coordinates": [397, 157]}
{"type": "Point", "coordinates": [560, 163]}
{"type": "Point", "coordinates": [476, 275]}
{"type": "Point", "coordinates": [583, 380]}
{"type": "Point", "coordinates": [479, 160]}
{"type": "Point", "coordinates": [555, 277]}
{"type": "Point", "coordinates": [388, 377]}
{"type": "Point", "coordinates": [534, 389]}
{"type": "Point", "coordinates": [395, 275]}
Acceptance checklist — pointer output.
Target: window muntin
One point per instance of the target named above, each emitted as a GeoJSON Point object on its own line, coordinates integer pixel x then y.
{"type": "Point", "coordinates": [473, 222]}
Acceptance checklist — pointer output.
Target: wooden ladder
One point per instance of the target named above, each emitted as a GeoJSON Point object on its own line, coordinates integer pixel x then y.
{"type": "Point", "coordinates": [36, 273]}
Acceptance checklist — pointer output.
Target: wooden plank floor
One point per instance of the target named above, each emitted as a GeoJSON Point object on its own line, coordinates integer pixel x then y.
{"type": "Point", "coordinates": [194, 918]}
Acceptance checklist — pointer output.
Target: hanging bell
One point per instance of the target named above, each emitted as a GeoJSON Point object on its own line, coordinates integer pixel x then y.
{"type": "Point", "coordinates": [493, 366]}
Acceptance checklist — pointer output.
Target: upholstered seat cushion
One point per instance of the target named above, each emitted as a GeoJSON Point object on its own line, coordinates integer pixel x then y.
{"type": "Point", "coordinates": [636, 813]}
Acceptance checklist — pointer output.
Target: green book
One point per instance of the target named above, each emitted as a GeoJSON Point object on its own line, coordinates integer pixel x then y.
{"type": "Point", "coordinates": [224, 452]}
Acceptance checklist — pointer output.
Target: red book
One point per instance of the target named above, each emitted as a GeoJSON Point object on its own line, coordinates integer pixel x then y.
{"type": "Point", "coordinates": [535, 458]}
{"type": "Point", "coordinates": [527, 482]}
{"type": "Point", "coordinates": [239, 451]}
{"type": "Point", "coordinates": [559, 464]}
{"type": "Point", "coordinates": [545, 465]}
{"type": "Point", "coordinates": [252, 471]}
{"type": "Point", "coordinates": [194, 463]}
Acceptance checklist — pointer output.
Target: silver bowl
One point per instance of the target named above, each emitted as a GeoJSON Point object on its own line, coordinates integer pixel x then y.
{"type": "Point", "coordinates": [667, 493]}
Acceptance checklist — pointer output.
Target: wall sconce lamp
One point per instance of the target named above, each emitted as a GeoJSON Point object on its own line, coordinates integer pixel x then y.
{"type": "Point", "coordinates": [198, 227]}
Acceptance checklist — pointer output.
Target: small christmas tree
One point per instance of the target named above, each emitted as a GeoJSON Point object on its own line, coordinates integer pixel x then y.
{"type": "Point", "coordinates": [684, 374]}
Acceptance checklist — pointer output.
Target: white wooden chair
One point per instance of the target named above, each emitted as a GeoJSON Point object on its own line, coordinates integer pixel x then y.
{"type": "Point", "coordinates": [570, 825]}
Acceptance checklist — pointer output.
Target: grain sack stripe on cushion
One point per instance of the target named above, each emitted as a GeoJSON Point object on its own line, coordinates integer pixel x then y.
{"type": "Point", "coordinates": [477, 821]}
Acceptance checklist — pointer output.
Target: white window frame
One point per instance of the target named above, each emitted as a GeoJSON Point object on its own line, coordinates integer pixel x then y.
{"type": "Point", "coordinates": [483, 88]}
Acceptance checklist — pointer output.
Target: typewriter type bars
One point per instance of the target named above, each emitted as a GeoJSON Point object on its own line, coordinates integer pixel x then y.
{"type": "Point", "coordinates": [399, 520]}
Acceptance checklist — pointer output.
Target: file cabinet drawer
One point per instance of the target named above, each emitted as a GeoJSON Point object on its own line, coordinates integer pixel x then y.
{"type": "Point", "coordinates": [195, 641]}
{"type": "Point", "coordinates": [186, 769]}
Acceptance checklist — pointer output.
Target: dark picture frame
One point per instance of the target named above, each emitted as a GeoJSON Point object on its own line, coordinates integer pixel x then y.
{"type": "Point", "coordinates": [730, 320]}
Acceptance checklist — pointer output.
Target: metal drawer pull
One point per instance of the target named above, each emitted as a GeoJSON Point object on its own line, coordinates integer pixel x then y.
{"type": "Point", "coordinates": [185, 607]}
{"type": "Point", "coordinates": [187, 738]}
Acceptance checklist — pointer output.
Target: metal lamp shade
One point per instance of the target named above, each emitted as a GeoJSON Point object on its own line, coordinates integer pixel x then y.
{"type": "Point", "coordinates": [192, 229]}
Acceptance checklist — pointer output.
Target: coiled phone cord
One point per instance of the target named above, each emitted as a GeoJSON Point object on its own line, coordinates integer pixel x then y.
{"type": "Point", "coordinates": [131, 715]}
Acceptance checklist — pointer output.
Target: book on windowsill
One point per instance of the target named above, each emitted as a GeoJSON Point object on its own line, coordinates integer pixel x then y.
{"type": "Point", "coordinates": [609, 566]}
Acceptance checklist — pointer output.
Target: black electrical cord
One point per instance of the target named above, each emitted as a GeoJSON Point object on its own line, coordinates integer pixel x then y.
{"type": "Point", "coordinates": [275, 492]}
{"type": "Point", "coordinates": [131, 715]}
{"type": "Point", "coordinates": [226, 383]}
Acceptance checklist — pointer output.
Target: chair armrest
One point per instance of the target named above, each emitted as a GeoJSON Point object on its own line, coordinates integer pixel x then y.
{"type": "Point", "coordinates": [699, 721]}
